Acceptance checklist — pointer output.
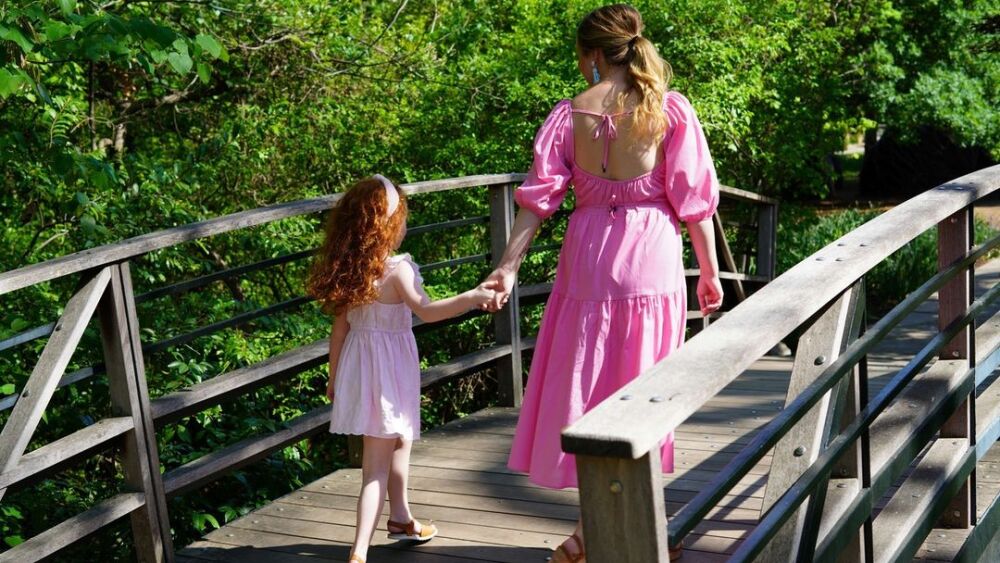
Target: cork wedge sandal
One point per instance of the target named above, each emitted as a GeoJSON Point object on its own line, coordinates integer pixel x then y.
{"type": "Point", "coordinates": [355, 557]}
{"type": "Point", "coordinates": [409, 531]}
{"type": "Point", "coordinates": [562, 554]}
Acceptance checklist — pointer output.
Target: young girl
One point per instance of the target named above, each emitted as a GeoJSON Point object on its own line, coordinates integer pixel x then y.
{"type": "Point", "coordinates": [374, 367]}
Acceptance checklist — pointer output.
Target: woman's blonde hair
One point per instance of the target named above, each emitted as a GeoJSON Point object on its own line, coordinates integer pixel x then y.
{"type": "Point", "coordinates": [359, 237]}
{"type": "Point", "coordinates": [617, 31]}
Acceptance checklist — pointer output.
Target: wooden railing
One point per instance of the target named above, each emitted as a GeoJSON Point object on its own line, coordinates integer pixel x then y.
{"type": "Point", "coordinates": [837, 451]}
{"type": "Point", "coordinates": [106, 289]}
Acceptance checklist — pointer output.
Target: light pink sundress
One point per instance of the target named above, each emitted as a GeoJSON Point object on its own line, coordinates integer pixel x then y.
{"type": "Point", "coordinates": [377, 390]}
{"type": "Point", "coordinates": [618, 304]}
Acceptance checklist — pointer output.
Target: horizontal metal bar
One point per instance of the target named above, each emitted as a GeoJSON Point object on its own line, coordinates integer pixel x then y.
{"type": "Point", "coordinates": [434, 227]}
{"type": "Point", "coordinates": [796, 494]}
{"type": "Point", "coordinates": [27, 336]}
{"type": "Point", "coordinates": [455, 262]}
{"type": "Point", "coordinates": [228, 323]}
{"type": "Point", "coordinates": [691, 513]}
{"type": "Point", "coordinates": [221, 275]}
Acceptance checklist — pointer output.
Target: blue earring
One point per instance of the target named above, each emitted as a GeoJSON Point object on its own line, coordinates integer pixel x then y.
{"type": "Point", "coordinates": [597, 75]}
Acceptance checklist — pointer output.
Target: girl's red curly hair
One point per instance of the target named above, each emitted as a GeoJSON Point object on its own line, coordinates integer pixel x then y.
{"type": "Point", "coordinates": [359, 238]}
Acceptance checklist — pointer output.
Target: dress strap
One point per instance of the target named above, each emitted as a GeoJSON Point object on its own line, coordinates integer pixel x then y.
{"type": "Point", "coordinates": [608, 127]}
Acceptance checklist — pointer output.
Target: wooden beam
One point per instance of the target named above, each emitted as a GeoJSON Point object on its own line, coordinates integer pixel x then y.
{"type": "Point", "coordinates": [819, 345]}
{"type": "Point", "coordinates": [73, 529]}
{"type": "Point", "coordinates": [53, 456]}
{"type": "Point", "coordinates": [210, 466]}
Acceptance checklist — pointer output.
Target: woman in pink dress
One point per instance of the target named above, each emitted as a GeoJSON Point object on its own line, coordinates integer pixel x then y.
{"type": "Point", "coordinates": [638, 162]}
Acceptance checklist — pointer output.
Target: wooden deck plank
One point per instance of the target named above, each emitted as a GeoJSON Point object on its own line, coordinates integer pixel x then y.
{"type": "Point", "coordinates": [487, 512]}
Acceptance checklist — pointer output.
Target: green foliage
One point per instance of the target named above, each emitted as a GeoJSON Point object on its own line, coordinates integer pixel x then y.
{"type": "Point", "coordinates": [939, 66]}
{"type": "Point", "coordinates": [120, 118]}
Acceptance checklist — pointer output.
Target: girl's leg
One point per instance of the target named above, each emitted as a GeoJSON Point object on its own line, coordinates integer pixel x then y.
{"type": "Point", "coordinates": [399, 474]}
{"type": "Point", "coordinates": [375, 461]}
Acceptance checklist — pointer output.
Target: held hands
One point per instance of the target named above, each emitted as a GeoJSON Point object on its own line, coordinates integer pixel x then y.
{"type": "Point", "coordinates": [482, 295]}
{"type": "Point", "coordinates": [709, 294]}
{"type": "Point", "coordinates": [501, 281]}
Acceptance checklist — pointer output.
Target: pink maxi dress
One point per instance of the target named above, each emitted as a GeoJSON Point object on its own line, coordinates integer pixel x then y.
{"type": "Point", "coordinates": [618, 303]}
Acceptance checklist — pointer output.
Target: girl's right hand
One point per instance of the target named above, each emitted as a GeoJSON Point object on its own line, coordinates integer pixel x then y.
{"type": "Point", "coordinates": [483, 295]}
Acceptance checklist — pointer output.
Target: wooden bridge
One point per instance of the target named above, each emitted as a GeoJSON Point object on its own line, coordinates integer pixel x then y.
{"type": "Point", "coordinates": [862, 447]}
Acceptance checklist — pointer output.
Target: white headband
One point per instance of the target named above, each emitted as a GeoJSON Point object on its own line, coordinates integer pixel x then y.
{"type": "Point", "coordinates": [391, 195]}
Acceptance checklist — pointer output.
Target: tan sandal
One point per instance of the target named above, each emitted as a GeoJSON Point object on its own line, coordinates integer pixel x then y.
{"type": "Point", "coordinates": [677, 551]}
{"type": "Point", "coordinates": [409, 531]}
{"type": "Point", "coordinates": [356, 557]}
{"type": "Point", "coordinates": [562, 555]}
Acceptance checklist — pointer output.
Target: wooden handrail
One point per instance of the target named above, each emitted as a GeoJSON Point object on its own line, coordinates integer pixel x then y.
{"type": "Point", "coordinates": [143, 244]}
{"type": "Point", "coordinates": [672, 390]}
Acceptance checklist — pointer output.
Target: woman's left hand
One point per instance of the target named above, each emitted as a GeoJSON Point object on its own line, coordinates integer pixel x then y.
{"type": "Point", "coordinates": [709, 294]}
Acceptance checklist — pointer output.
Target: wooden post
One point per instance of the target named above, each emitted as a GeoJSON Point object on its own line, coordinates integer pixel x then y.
{"type": "Point", "coordinates": [819, 345]}
{"type": "Point", "coordinates": [726, 254]}
{"type": "Point", "coordinates": [623, 509]}
{"type": "Point", "coordinates": [506, 323]}
{"type": "Point", "coordinates": [955, 237]}
{"type": "Point", "coordinates": [129, 397]}
{"type": "Point", "coordinates": [767, 233]}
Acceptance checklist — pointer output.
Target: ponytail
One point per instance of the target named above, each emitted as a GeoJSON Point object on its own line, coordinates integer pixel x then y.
{"type": "Point", "coordinates": [650, 75]}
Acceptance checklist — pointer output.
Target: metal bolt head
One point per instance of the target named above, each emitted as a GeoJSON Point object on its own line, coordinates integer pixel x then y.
{"type": "Point", "coordinates": [820, 360]}
{"type": "Point", "coordinates": [656, 399]}
{"type": "Point", "coordinates": [626, 397]}
{"type": "Point", "coordinates": [616, 487]}
{"type": "Point", "coordinates": [799, 451]}
{"type": "Point", "coordinates": [841, 485]}
{"type": "Point", "coordinates": [954, 353]}
{"type": "Point", "coordinates": [956, 514]}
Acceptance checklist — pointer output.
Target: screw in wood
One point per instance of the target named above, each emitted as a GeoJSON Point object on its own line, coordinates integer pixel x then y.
{"type": "Point", "coordinates": [656, 399]}
{"type": "Point", "coordinates": [799, 451]}
{"type": "Point", "coordinates": [841, 485]}
{"type": "Point", "coordinates": [616, 487]}
{"type": "Point", "coordinates": [626, 397]}
{"type": "Point", "coordinates": [954, 353]}
{"type": "Point", "coordinates": [820, 360]}
{"type": "Point", "coordinates": [956, 514]}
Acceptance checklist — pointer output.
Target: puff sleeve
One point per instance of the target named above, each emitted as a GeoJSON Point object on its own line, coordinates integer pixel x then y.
{"type": "Point", "coordinates": [691, 184]}
{"type": "Point", "coordinates": [545, 187]}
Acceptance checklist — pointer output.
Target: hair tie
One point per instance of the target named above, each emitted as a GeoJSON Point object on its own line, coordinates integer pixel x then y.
{"type": "Point", "coordinates": [391, 195]}
{"type": "Point", "coordinates": [631, 42]}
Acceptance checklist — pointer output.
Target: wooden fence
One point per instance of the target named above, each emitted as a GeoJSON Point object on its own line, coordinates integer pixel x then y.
{"type": "Point", "coordinates": [106, 290]}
